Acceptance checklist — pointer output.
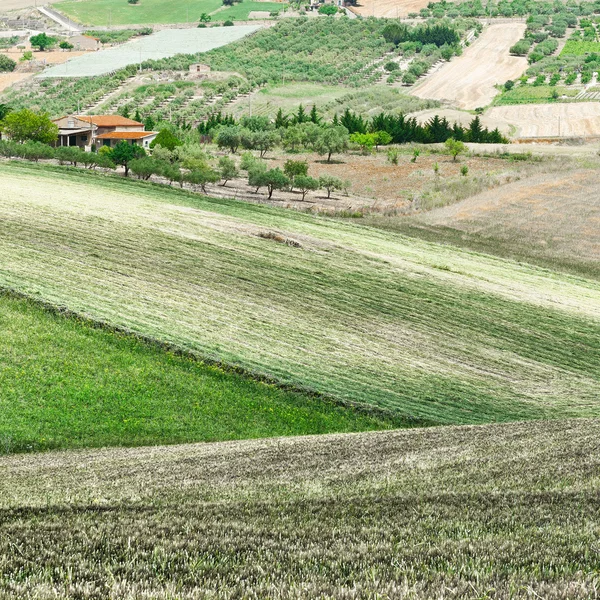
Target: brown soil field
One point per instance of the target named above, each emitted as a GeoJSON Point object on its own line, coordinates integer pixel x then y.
{"type": "Point", "coordinates": [550, 120]}
{"type": "Point", "coordinates": [388, 8]}
{"type": "Point", "coordinates": [556, 216]}
{"type": "Point", "coordinates": [7, 79]}
{"type": "Point", "coordinates": [468, 81]}
{"type": "Point", "coordinates": [55, 57]}
{"type": "Point", "coordinates": [376, 184]}
{"type": "Point", "coordinates": [51, 58]}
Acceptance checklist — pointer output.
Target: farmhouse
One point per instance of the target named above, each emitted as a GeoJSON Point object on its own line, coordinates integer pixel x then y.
{"type": "Point", "coordinates": [101, 130]}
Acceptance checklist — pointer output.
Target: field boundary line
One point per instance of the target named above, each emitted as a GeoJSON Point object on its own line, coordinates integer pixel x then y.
{"type": "Point", "coordinates": [66, 313]}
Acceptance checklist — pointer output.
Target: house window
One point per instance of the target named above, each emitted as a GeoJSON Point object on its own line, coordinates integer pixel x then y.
{"type": "Point", "coordinates": [84, 138]}
{"type": "Point", "coordinates": [106, 142]}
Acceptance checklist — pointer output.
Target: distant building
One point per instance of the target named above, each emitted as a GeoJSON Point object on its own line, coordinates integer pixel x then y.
{"type": "Point", "coordinates": [101, 130]}
{"type": "Point", "coordinates": [199, 70]}
{"type": "Point", "coordinates": [85, 42]}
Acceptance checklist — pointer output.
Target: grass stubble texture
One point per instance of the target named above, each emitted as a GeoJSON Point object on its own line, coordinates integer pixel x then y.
{"type": "Point", "coordinates": [436, 334]}
{"type": "Point", "coordinates": [66, 384]}
{"type": "Point", "coordinates": [495, 511]}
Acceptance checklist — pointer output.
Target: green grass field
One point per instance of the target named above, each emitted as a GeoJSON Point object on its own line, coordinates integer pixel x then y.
{"type": "Point", "coordinates": [575, 48]}
{"type": "Point", "coordinates": [431, 332]}
{"type": "Point", "coordinates": [65, 384]}
{"type": "Point", "coordinates": [533, 94]}
{"type": "Point", "coordinates": [147, 12]}
{"type": "Point", "coordinates": [494, 512]}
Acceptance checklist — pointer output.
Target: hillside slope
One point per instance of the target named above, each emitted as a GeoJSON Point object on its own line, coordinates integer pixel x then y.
{"type": "Point", "coordinates": [435, 333]}
{"type": "Point", "coordinates": [501, 511]}
{"type": "Point", "coordinates": [550, 219]}
{"type": "Point", "coordinates": [66, 384]}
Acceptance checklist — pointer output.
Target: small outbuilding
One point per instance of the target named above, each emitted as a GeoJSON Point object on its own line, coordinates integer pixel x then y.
{"type": "Point", "coordinates": [85, 42]}
{"type": "Point", "coordinates": [199, 70]}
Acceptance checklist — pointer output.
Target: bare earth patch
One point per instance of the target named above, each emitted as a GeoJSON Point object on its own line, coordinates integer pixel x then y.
{"type": "Point", "coordinates": [468, 81]}
{"type": "Point", "coordinates": [376, 184]}
{"type": "Point", "coordinates": [550, 120]}
{"type": "Point", "coordinates": [50, 58]}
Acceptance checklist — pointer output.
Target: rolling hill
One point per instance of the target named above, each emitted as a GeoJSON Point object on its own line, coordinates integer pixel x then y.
{"type": "Point", "coordinates": [434, 333]}
{"type": "Point", "coordinates": [496, 511]}
{"type": "Point", "coordinates": [67, 384]}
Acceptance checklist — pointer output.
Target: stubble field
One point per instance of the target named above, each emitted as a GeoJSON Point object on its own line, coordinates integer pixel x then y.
{"type": "Point", "coordinates": [433, 333]}
{"type": "Point", "coordinates": [580, 119]}
{"type": "Point", "coordinates": [498, 512]}
{"type": "Point", "coordinates": [468, 81]}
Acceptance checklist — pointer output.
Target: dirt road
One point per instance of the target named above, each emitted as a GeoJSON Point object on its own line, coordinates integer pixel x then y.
{"type": "Point", "coordinates": [468, 81]}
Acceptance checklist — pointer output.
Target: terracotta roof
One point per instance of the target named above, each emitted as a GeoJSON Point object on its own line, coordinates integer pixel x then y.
{"type": "Point", "coordinates": [126, 135]}
{"type": "Point", "coordinates": [108, 120]}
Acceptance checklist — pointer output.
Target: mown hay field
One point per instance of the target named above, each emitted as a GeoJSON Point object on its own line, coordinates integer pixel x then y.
{"type": "Point", "coordinates": [435, 333]}
{"type": "Point", "coordinates": [65, 384]}
{"type": "Point", "coordinates": [498, 512]}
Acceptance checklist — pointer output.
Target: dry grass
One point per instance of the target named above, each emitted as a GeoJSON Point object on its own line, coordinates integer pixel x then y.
{"type": "Point", "coordinates": [432, 332]}
{"type": "Point", "coordinates": [551, 219]}
{"type": "Point", "coordinates": [377, 186]}
{"type": "Point", "coordinates": [493, 512]}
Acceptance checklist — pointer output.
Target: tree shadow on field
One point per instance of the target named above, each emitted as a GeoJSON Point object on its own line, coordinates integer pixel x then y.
{"type": "Point", "coordinates": [330, 162]}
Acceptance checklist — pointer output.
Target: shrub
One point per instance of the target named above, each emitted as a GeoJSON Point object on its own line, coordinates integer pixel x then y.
{"type": "Point", "coordinates": [328, 9]}
{"type": "Point", "coordinates": [393, 155]}
{"type": "Point", "coordinates": [391, 66]}
{"type": "Point", "coordinates": [409, 78]}
{"type": "Point", "coordinates": [7, 64]}
{"type": "Point", "coordinates": [521, 48]}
